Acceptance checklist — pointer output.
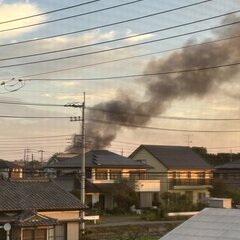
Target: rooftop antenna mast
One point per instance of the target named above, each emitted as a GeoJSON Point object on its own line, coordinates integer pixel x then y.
{"type": "Point", "coordinates": [189, 141]}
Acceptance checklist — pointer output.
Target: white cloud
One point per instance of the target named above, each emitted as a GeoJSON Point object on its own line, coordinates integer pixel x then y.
{"type": "Point", "coordinates": [15, 11]}
{"type": "Point", "coordinates": [130, 33]}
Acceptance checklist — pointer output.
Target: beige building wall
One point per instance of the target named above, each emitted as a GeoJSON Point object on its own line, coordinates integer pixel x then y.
{"type": "Point", "coordinates": [142, 154]}
{"type": "Point", "coordinates": [73, 231]}
{"type": "Point", "coordinates": [62, 215]}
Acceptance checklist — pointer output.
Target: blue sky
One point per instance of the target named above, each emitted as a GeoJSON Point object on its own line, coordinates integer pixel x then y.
{"type": "Point", "coordinates": [17, 134]}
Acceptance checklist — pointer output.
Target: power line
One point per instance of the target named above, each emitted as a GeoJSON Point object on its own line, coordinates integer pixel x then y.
{"type": "Point", "coordinates": [31, 104]}
{"type": "Point", "coordinates": [142, 75]}
{"type": "Point", "coordinates": [224, 147]}
{"type": "Point", "coordinates": [105, 25]}
{"type": "Point", "coordinates": [130, 125]}
{"type": "Point", "coordinates": [118, 39]}
{"type": "Point", "coordinates": [69, 17]}
{"type": "Point", "coordinates": [161, 129]}
{"type": "Point", "coordinates": [162, 117]}
{"type": "Point", "coordinates": [132, 57]}
{"type": "Point", "coordinates": [49, 136]}
{"type": "Point", "coordinates": [118, 48]}
{"type": "Point", "coordinates": [128, 113]}
{"type": "Point", "coordinates": [32, 117]}
{"type": "Point", "coordinates": [52, 11]}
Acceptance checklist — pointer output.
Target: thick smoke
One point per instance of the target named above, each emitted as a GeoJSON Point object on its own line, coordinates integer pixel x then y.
{"type": "Point", "coordinates": [162, 90]}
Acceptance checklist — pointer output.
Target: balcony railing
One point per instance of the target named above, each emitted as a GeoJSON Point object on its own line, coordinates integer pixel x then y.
{"type": "Point", "coordinates": [189, 182]}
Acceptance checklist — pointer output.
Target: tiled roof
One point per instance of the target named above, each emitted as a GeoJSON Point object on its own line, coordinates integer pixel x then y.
{"type": "Point", "coordinates": [33, 219]}
{"type": "Point", "coordinates": [176, 157]}
{"type": "Point", "coordinates": [91, 187]}
{"type": "Point", "coordinates": [99, 159]}
{"type": "Point", "coordinates": [35, 194]}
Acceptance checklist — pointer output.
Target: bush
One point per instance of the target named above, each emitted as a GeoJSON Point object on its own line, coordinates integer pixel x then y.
{"type": "Point", "coordinates": [154, 214]}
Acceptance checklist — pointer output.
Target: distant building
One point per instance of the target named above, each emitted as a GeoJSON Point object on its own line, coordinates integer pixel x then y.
{"type": "Point", "coordinates": [180, 170]}
{"type": "Point", "coordinates": [228, 174]}
{"type": "Point", "coordinates": [10, 170]}
{"type": "Point", "coordinates": [106, 173]}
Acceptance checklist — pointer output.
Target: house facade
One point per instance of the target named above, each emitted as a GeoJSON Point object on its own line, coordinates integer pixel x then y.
{"type": "Point", "coordinates": [228, 174]}
{"type": "Point", "coordinates": [38, 210]}
{"type": "Point", "coordinates": [106, 174]}
{"type": "Point", "coordinates": [180, 170]}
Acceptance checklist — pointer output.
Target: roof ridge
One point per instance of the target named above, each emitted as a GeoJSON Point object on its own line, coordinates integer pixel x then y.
{"type": "Point", "coordinates": [29, 180]}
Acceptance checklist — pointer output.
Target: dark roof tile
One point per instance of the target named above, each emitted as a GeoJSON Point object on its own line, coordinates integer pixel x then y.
{"type": "Point", "coordinates": [99, 159]}
{"type": "Point", "coordinates": [176, 157]}
{"type": "Point", "coordinates": [35, 194]}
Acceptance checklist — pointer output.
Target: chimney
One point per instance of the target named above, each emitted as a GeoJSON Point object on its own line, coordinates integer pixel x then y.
{"type": "Point", "coordinates": [220, 203]}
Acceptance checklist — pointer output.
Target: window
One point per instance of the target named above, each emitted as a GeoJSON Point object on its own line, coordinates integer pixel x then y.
{"type": "Point", "coordinates": [176, 175]}
{"type": "Point", "coordinates": [60, 232]}
{"type": "Point", "coordinates": [101, 175]}
{"type": "Point", "coordinates": [35, 234]}
{"type": "Point", "coordinates": [115, 174]}
{"type": "Point", "coordinates": [201, 175]}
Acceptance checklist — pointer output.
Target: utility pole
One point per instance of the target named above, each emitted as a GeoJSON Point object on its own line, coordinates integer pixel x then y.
{"type": "Point", "coordinates": [83, 164]}
{"type": "Point", "coordinates": [82, 197]}
{"type": "Point", "coordinates": [24, 162]}
{"type": "Point", "coordinates": [41, 158]}
{"type": "Point", "coordinates": [25, 159]}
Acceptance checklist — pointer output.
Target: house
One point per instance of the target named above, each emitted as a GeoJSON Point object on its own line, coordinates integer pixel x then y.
{"type": "Point", "coordinates": [38, 209]}
{"type": "Point", "coordinates": [229, 175]}
{"type": "Point", "coordinates": [180, 170]}
{"type": "Point", "coordinates": [211, 223]}
{"type": "Point", "coordinates": [106, 174]}
{"type": "Point", "coordinates": [10, 170]}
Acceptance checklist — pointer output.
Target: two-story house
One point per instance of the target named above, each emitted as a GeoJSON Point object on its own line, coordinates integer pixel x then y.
{"type": "Point", "coordinates": [106, 173]}
{"type": "Point", "coordinates": [180, 169]}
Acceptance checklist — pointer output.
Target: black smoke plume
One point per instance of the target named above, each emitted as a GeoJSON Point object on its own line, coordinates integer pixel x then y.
{"type": "Point", "coordinates": [162, 90]}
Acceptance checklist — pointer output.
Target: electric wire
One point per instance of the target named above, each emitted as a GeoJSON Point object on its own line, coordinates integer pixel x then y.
{"type": "Point", "coordinates": [105, 25]}
{"type": "Point", "coordinates": [48, 136]}
{"type": "Point", "coordinates": [131, 57]}
{"type": "Point", "coordinates": [126, 124]}
{"type": "Point", "coordinates": [69, 17]}
{"type": "Point", "coordinates": [236, 64]}
{"type": "Point", "coordinates": [32, 117]}
{"type": "Point", "coordinates": [118, 48]}
{"type": "Point", "coordinates": [48, 12]}
{"type": "Point", "coordinates": [124, 113]}
{"type": "Point", "coordinates": [118, 39]}
{"type": "Point", "coordinates": [159, 128]}
{"type": "Point", "coordinates": [161, 117]}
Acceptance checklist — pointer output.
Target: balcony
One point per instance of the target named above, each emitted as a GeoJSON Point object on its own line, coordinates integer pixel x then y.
{"type": "Point", "coordinates": [189, 183]}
